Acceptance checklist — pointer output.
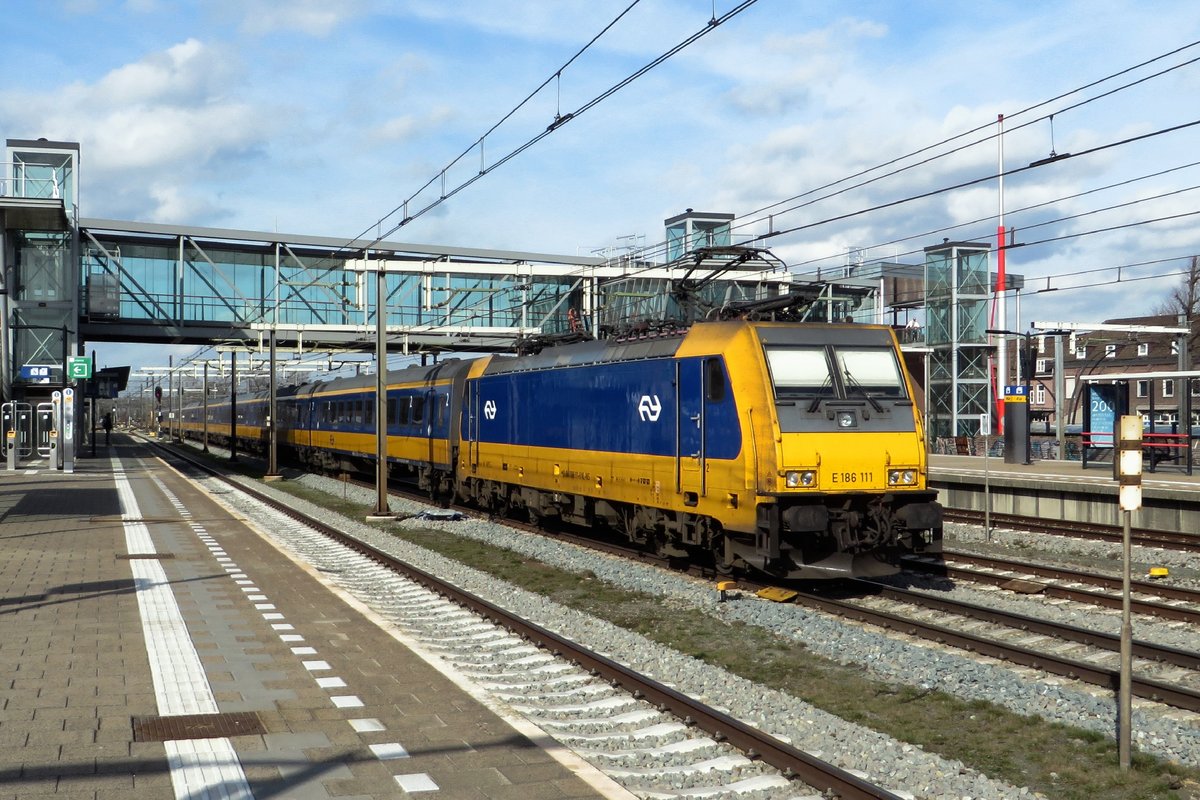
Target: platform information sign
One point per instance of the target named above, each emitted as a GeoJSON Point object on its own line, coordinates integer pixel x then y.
{"type": "Point", "coordinates": [79, 368]}
{"type": "Point", "coordinates": [37, 373]}
{"type": "Point", "coordinates": [1015, 394]}
{"type": "Point", "coordinates": [1102, 402]}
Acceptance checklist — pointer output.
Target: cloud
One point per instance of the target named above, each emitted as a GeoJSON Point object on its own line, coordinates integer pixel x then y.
{"type": "Point", "coordinates": [406, 127]}
{"type": "Point", "coordinates": [317, 18]}
{"type": "Point", "coordinates": [171, 117]}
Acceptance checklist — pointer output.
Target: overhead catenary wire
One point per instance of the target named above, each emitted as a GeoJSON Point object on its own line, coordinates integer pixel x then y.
{"type": "Point", "coordinates": [1024, 209]}
{"type": "Point", "coordinates": [756, 216]}
{"type": "Point", "coordinates": [559, 120]}
{"type": "Point", "coordinates": [986, 126]}
{"type": "Point", "coordinates": [446, 192]}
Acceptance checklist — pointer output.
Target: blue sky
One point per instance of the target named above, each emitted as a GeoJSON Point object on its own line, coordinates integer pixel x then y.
{"type": "Point", "coordinates": [311, 117]}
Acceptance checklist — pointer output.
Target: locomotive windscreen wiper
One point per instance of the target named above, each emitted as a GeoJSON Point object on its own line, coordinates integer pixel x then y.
{"type": "Point", "coordinates": [816, 403]}
{"type": "Point", "coordinates": [853, 382]}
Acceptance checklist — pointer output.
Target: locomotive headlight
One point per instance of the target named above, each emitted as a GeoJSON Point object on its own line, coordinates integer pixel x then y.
{"type": "Point", "coordinates": [902, 477]}
{"type": "Point", "coordinates": [797, 479]}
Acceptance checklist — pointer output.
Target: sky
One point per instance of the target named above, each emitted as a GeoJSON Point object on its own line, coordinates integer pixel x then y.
{"type": "Point", "coordinates": [318, 118]}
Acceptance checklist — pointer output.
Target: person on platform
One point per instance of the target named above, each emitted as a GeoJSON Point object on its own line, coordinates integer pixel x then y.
{"type": "Point", "coordinates": [107, 423]}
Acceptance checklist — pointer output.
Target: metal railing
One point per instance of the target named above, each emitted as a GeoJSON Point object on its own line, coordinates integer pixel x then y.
{"type": "Point", "coordinates": [16, 182]}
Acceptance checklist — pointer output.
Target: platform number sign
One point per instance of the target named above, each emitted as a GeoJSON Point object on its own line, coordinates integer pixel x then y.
{"type": "Point", "coordinates": [79, 368]}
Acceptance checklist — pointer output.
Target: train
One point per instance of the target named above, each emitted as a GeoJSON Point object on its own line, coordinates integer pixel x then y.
{"type": "Point", "coordinates": [791, 449]}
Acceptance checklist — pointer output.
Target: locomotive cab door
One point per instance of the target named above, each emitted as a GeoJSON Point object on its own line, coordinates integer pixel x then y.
{"type": "Point", "coordinates": [473, 411]}
{"type": "Point", "coordinates": [694, 379]}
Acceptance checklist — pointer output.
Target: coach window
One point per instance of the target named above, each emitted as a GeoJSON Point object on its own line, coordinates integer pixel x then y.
{"type": "Point", "coordinates": [404, 407]}
{"type": "Point", "coordinates": [418, 408]}
{"type": "Point", "coordinates": [442, 403]}
{"type": "Point", "coordinates": [368, 413]}
{"type": "Point", "coordinates": [714, 380]}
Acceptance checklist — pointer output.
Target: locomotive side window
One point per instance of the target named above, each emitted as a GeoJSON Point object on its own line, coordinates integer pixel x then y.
{"type": "Point", "coordinates": [800, 372]}
{"type": "Point", "coordinates": [870, 371]}
{"type": "Point", "coordinates": [714, 380]}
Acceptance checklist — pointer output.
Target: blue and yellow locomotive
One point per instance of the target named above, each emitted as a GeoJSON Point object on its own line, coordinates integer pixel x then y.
{"type": "Point", "coordinates": [792, 449]}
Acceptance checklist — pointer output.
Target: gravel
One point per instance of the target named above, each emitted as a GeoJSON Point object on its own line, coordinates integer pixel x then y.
{"type": "Point", "coordinates": [1168, 733]}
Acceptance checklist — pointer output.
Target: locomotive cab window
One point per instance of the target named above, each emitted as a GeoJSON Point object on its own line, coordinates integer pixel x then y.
{"type": "Point", "coordinates": [870, 372]}
{"type": "Point", "coordinates": [800, 372]}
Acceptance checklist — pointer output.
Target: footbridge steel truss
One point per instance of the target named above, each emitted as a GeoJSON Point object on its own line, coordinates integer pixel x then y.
{"type": "Point", "coordinates": [155, 283]}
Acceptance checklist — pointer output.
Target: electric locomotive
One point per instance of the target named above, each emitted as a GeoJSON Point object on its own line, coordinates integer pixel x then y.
{"type": "Point", "coordinates": [791, 449]}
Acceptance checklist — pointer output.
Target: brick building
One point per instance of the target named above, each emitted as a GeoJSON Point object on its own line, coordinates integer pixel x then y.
{"type": "Point", "coordinates": [1108, 352]}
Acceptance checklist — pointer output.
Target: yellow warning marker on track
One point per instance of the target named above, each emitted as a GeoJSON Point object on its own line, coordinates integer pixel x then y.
{"type": "Point", "coordinates": [1157, 572]}
{"type": "Point", "coordinates": [777, 594]}
{"type": "Point", "coordinates": [724, 587]}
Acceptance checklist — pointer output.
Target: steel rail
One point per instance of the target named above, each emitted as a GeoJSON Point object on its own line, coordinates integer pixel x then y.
{"type": "Point", "coordinates": [1142, 537]}
{"type": "Point", "coordinates": [1072, 633]}
{"type": "Point", "coordinates": [1148, 607]}
{"type": "Point", "coordinates": [1074, 669]}
{"type": "Point", "coordinates": [790, 761]}
{"type": "Point", "coordinates": [1047, 662]}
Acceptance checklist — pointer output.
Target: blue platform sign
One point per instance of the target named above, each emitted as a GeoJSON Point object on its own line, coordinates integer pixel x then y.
{"type": "Point", "coordinates": [36, 373]}
{"type": "Point", "coordinates": [1016, 394]}
{"type": "Point", "coordinates": [1102, 402]}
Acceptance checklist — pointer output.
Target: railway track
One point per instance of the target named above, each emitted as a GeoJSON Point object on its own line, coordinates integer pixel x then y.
{"type": "Point", "coordinates": [1142, 537]}
{"type": "Point", "coordinates": [564, 683]}
{"type": "Point", "coordinates": [1050, 645]}
{"type": "Point", "coordinates": [1004, 639]}
{"type": "Point", "coordinates": [1153, 599]}
{"type": "Point", "coordinates": [1000, 641]}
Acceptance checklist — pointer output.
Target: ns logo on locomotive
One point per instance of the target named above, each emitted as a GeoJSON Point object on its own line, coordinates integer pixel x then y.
{"type": "Point", "coordinates": [792, 449]}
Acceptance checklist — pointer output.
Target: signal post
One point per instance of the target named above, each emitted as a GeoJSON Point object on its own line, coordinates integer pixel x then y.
{"type": "Point", "coordinates": [1128, 466]}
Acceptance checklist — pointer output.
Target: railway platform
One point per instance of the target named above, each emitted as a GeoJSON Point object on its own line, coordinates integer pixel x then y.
{"type": "Point", "coordinates": [154, 645]}
{"type": "Point", "coordinates": [1065, 490]}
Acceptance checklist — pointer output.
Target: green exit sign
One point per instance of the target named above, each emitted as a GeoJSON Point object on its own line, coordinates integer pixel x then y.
{"type": "Point", "coordinates": [79, 368]}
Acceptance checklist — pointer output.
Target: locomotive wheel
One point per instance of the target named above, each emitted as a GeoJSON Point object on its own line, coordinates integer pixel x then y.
{"type": "Point", "coordinates": [722, 562]}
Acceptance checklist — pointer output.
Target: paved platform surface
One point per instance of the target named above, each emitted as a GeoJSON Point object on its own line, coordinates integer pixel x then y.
{"type": "Point", "coordinates": [1166, 478]}
{"type": "Point", "coordinates": [154, 646]}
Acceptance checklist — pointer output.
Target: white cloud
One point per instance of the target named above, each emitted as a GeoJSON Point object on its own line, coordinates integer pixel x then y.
{"type": "Point", "coordinates": [318, 18]}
